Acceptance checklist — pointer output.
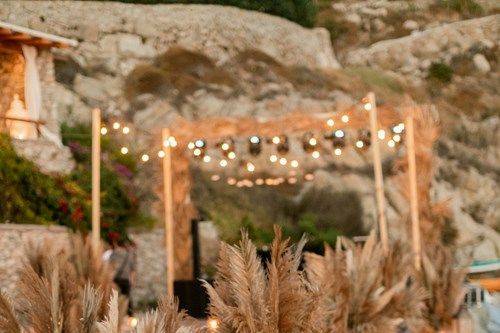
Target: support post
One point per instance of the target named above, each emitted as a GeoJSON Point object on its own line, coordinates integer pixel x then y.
{"type": "Point", "coordinates": [412, 175]}
{"type": "Point", "coordinates": [96, 179]}
{"type": "Point", "coordinates": [168, 209]}
{"type": "Point", "coordinates": [377, 168]}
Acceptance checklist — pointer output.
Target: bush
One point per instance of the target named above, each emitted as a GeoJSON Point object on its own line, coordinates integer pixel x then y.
{"type": "Point", "coordinates": [466, 7]}
{"type": "Point", "coordinates": [302, 12]}
{"type": "Point", "coordinates": [441, 72]}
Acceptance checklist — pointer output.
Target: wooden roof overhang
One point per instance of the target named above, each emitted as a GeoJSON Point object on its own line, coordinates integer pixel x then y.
{"type": "Point", "coordinates": [13, 36]}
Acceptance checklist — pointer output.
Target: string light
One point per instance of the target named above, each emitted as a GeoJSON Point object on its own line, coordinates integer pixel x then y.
{"type": "Point", "coordinates": [254, 145]}
{"type": "Point", "coordinates": [145, 157]}
{"type": "Point", "coordinates": [191, 145]}
{"type": "Point", "coordinates": [391, 143]}
{"type": "Point", "coordinates": [104, 130]}
{"type": "Point", "coordinates": [259, 181]}
{"type": "Point", "coordinates": [124, 150]}
{"type": "Point", "coordinates": [212, 324]}
{"type": "Point", "coordinates": [399, 128]}
{"type": "Point", "coordinates": [231, 155]}
{"type": "Point", "coordinates": [381, 134]}
{"type": "Point", "coordinates": [116, 125]}
{"type": "Point", "coordinates": [225, 146]}
{"type": "Point", "coordinates": [161, 154]}
{"type": "Point", "coordinates": [223, 163]}
{"type": "Point", "coordinates": [294, 164]}
{"type": "Point", "coordinates": [172, 142]}
{"type": "Point", "coordinates": [339, 133]}
{"type": "Point", "coordinates": [292, 180]}
{"type": "Point", "coordinates": [313, 141]}
{"type": "Point", "coordinates": [338, 151]}
{"type": "Point", "coordinates": [126, 130]}
{"type": "Point", "coordinates": [396, 138]}
{"type": "Point", "coordinates": [273, 158]}
{"type": "Point", "coordinates": [207, 159]}
{"type": "Point", "coordinates": [199, 143]}
{"type": "Point", "coordinates": [276, 140]}
{"type": "Point", "coordinates": [345, 118]}
{"type": "Point", "coordinates": [283, 161]}
{"type": "Point", "coordinates": [250, 167]}
{"type": "Point", "coordinates": [359, 144]}
{"type": "Point", "coordinates": [215, 178]}
{"type": "Point", "coordinates": [197, 152]}
{"type": "Point", "coordinates": [231, 181]}
{"type": "Point", "coordinates": [330, 122]}
{"type": "Point", "coordinates": [309, 177]}
{"type": "Point", "coordinates": [315, 154]}
{"type": "Point", "coordinates": [368, 106]}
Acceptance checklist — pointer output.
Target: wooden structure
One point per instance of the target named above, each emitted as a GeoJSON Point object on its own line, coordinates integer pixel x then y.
{"type": "Point", "coordinates": [179, 210]}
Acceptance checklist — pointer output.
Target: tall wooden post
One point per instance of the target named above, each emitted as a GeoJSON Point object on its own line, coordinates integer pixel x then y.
{"type": "Point", "coordinates": [96, 179]}
{"type": "Point", "coordinates": [412, 178]}
{"type": "Point", "coordinates": [168, 209]}
{"type": "Point", "coordinates": [377, 168]}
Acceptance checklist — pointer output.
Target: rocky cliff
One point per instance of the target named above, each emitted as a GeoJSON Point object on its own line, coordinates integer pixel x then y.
{"type": "Point", "coordinates": [247, 63]}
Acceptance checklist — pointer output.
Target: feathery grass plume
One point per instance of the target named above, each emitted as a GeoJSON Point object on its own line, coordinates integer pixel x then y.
{"type": "Point", "coordinates": [358, 295]}
{"type": "Point", "coordinates": [244, 299]}
{"type": "Point", "coordinates": [9, 322]}
{"type": "Point", "coordinates": [91, 302]}
{"type": "Point", "coordinates": [111, 323]}
{"type": "Point", "coordinates": [445, 284]}
{"type": "Point", "coordinates": [165, 319]}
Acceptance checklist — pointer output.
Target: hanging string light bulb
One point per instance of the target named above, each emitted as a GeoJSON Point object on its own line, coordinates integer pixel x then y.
{"type": "Point", "coordinates": [283, 145]}
{"type": "Point", "coordinates": [126, 130]}
{"type": "Point", "coordinates": [254, 145]}
{"type": "Point", "coordinates": [338, 139]}
{"type": "Point", "coordinates": [309, 142]}
{"type": "Point", "coordinates": [116, 125]}
{"type": "Point", "coordinates": [364, 139]}
{"type": "Point", "coordinates": [199, 149]}
{"type": "Point", "coordinates": [104, 130]}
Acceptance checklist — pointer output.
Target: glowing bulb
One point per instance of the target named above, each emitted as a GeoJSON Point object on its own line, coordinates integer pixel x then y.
{"type": "Point", "coordinates": [399, 128]}
{"type": "Point", "coordinates": [259, 181]}
{"type": "Point", "coordinates": [225, 146]}
{"type": "Point", "coordinates": [294, 163]}
{"type": "Point", "coordinates": [116, 125]}
{"type": "Point", "coordinates": [381, 134]}
{"type": "Point", "coordinates": [231, 155]}
{"type": "Point", "coordinates": [197, 152]}
{"type": "Point", "coordinates": [396, 138]}
{"type": "Point", "coordinates": [166, 143]}
{"type": "Point", "coordinates": [124, 150]}
{"type": "Point", "coordinates": [269, 181]}
{"type": "Point", "coordinates": [315, 154]}
{"type": "Point", "coordinates": [206, 158]}
{"type": "Point", "coordinates": [283, 161]}
{"type": "Point", "coordinates": [223, 163]}
{"type": "Point", "coordinates": [161, 154]}
{"type": "Point", "coordinates": [345, 118]}
{"type": "Point", "coordinates": [126, 130]}
{"type": "Point", "coordinates": [172, 141]}
{"type": "Point", "coordinates": [391, 143]}
{"type": "Point", "coordinates": [368, 106]}
{"type": "Point", "coordinates": [191, 145]}
{"type": "Point", "coordinates": [338, 151]}
{"type": "Point", "coordinates": [215, 178]}
{"type": "Point", "coordinates": [330, 122]}
{"type": "Point", "coordinates": [231, 181]}
{"type": "Point", "coordinates": [273, 158]}
{"type": "Point", "coordinates": [104, 130]}
{"type": "Point", "coordinates": [133, 322]}
{"type": "Point", "coordinates": [145, 157]}
{"type": "Point", "coordinates": [339, 133]}
{"type": "Point", "coordinates": [254, 139]}
{"type": "Point", "coordinates": [276, 140]}
{"type": "Point", "coordinates": [313, 141]}
{"type": "Point", "coordinates": [359, 144]}
{"type": "Point", "coordinates": [199, 143]}
{"type": "Point", "coordinates": [292, 180]}
{"type": "Point", "coordinates": [250, 167]}
{"type": "Point", "coordinates": [309, 176]}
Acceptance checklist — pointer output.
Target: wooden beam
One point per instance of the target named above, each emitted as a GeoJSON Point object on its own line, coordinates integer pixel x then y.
{"type": "Point", "coordinates": [412, 179]}
{"type": "Point", "coordinates": [96, 180]}
{"type": "Point", "coordinates": [169, 210]}
{"type": "Point", "coordinates": [377, 168]}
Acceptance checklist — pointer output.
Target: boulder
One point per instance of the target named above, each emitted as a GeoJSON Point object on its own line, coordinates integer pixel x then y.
{"type": "Point", "coordinates": [481, 63]}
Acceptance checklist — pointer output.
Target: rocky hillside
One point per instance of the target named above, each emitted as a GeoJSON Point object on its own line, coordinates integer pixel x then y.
{"type": "Point", "coordinates": [147, 63]}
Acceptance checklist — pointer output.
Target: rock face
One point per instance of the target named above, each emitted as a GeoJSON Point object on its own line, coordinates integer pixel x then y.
{"type": "Point", "coordinates": [139, 31]}
{"type": "Point", "coordinates": [49, 157]}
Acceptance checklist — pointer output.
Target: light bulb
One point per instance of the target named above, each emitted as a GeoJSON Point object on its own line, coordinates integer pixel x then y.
{"type": "Point", "coordinates": [309, 176]}
{"type": "Point", "coordinates": [381, 134]}
{"type": "Point", "coordinates": [250, 167]}
{"type": "Point", "coordinates": [124, 150]}
{"type": "Point", "coordinates": [125, 130]}
{"type": "Point", "coordinates": [199, 143]}
{"type": "Point", "coordinates": [225, 146]}
{"type": "Point", "coordinates": [191, 145]}
{"type": "Point", "coordinates": [283, 161]}
{"type": "Point", "coordinates": [276, 140]}
{"type": "Point", "coordinates": [231, 155]}
{"type": "Point", "coordinates": [338, 151]}
{"type": "Point", "coordinates": [254, 139]}
{"type": "Point", "coordinates": [313, 141]}
{"type": "Point", "coordinates": [345, 118]}
{"type": "Point", "coordinates": [359, 144]}
{"type": "Point", "coordinates": [215, 178]}
{"type": "Point", "coordinates": [173, 141]}
{"type": "Point", "coordinates": [206, 158]}
{"type": "Point", "coordinates": [396, 138]}
{"type": "Point", "coordinates": [223, 163]}
{"type": "Point", "coordinates": [231, 181]}
{"type": "Point", "coordinates": [292, 180]}
{"type": "Point", "coordinates": [116, 125]}
{"type": "Point", "coordinates": [273, 158]}
{"type": "Point", "coordinates": [259, 181]}
{"type": "Point", "coordinates": [330, 122]}
{"type": "Point", "coordinates": [104, 130]}
{"type": "Point", "coordinates": [145, 157]}
{"type": "Point", "coordinates": [391, 143]}
{"type": "Point", "coordinates": [315, 154]}
{"type": "Point", "coordinates": [339, 133]}
{"type": "Point", "coordinates": [197, 152]}
{"type": "Point", "coordinates": [294, 163]}
{"type": "Point", "coordinates": [161, 154]}
{"type": "Point", "coordinates": [368, 106]}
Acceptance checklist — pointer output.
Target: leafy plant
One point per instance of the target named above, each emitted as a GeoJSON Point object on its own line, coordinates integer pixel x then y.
{"type": "Point", "coordinates": [441, 72]}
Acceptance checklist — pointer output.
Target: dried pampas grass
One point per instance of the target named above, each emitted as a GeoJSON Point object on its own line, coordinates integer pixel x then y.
{"type": "Point", "coordinates": [165, 319]}
{"type": "Point", "coordinates": [9, 321]}
{"type": "Point", "coordinates": [365, 291]}
{"type": "Point", "coordinates": [246, 299]}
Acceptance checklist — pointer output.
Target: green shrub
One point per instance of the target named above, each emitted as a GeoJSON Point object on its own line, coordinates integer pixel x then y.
{"type": "Point", "coordinates": [466, 7]}
{"type": "Point", "coordinates": [302, 12]}
{"type": "Point", "coordinates": [441, 72]}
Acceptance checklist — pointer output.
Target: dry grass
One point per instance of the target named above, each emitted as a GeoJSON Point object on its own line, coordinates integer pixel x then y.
{"type": "Point", "coordinates": [62, 291]}
{"type": "Point", "coordinates": [165, 319]}
{"type": "Point", "coordinates": [365, 291]}
{"type": "Point", "coordinates": [246, 299]}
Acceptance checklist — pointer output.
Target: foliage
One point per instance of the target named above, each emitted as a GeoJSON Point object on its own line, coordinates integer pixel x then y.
{"type": "Point", "coordinates": [466, 7]}
{"type": "Point", "coordinates": [372, 77]}
{"type": "Point", "coordinates": [441, 72]}
{"type": "Point", "coordinates": [302, 12]}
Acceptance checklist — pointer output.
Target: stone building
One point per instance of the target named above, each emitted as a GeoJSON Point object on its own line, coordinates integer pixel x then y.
{"type": "Point", "coordinates": [26, 68]}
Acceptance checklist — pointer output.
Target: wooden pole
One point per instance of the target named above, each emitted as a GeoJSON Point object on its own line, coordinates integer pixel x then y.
{"type": "Point", "coordinates": [377, 168]}
{"type": "Point", "coordinates": [169, 213]}
{"type": "Point", "coordinates": [412, 175]}
{"type": "Point", "coordinates": [96, 179]}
